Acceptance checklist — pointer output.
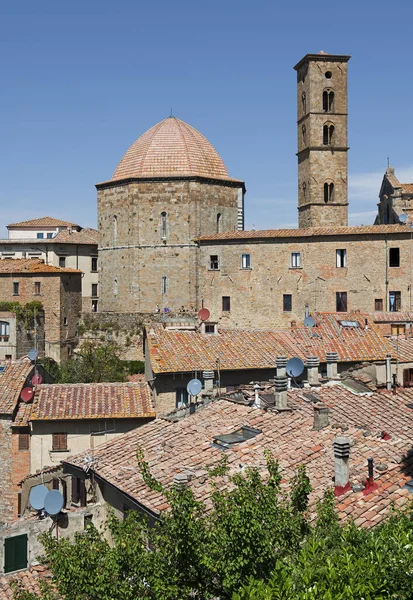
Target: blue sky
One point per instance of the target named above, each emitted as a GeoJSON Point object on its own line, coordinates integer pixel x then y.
{"type": "Point", "coordinates": [82, 80]}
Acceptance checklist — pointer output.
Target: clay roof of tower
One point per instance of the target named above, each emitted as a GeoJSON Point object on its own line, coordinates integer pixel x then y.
{"type": "Point", "coordinates": [171, 148]}
{"type": "Point", "coordinates": [43, 222]}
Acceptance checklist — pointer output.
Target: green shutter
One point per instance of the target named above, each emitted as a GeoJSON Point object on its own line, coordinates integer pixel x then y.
{"type": "Point", "coordinates": [15, 553]}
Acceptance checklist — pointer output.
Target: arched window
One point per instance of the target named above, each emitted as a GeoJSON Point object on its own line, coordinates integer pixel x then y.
{"type": "Point", "coordinates": [164, 284]}
{"type": "Point", "coordinates": [328, 192]}
{"type": "Point", "coordinates": [304, 102]}
{"type": "Point", "coordinates": [115, 287]}
{"type": "Point", "coordinates": [328, 101]}
{"type": "Point", "coordinates": [163, 225]}
{"type": "Point", "coordinates": [304, 133]}
{"type": "Point", "coordinates": [304, 189]}
{"type": "Point", "coordinates": [219, 223]}
{"type": "Point", "coordinates": [115, 230]}
{"type": "Point", "coordinates": [328, 135]}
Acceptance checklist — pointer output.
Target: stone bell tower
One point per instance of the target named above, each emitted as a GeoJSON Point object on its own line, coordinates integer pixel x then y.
{"type": "Point", "coordinates": [322, 140]}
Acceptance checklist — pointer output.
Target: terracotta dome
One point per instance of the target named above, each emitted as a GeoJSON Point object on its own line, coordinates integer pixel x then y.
{"type": "Point", "coordinates": [172, 148]}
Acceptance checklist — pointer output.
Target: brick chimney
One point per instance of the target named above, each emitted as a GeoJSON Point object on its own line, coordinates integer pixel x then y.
{"type": "Point", "coordinates": [281, 385]}
{"type": "Point", "coordinates": [281, 362]}
{"type": "Point", "coordinates": [341, 447]}
{"type": "Point", "coordinates": [312, 363]}
{"type": "Point", "coordinates": [321, 419]}
{"type": "Point", "coordinates": [332, 359]}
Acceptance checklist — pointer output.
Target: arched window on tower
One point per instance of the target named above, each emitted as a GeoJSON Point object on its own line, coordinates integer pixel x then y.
{"type": "Point", "coordinates": [163, 225]}
{"type": "Point", "coordinates": [115, 230]}
{"type": "Point", "coordinates": [328, 134]}
{"type": "Point", "coordinates": [328, 101]}
{"type": "Point", "coordinates": [115, 287]}
{"type": "Point", "coordinates": [304, 133]}
{"type": "Point", "coordinates": [328, 192]}
{"type": "Point", "coordinates": [304, 102]}
{"type": "Point", "coordinates": [219, 223]}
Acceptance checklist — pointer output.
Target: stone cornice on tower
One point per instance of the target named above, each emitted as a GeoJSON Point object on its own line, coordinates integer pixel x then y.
{"type": "Point", "coordinates": [323, 57]}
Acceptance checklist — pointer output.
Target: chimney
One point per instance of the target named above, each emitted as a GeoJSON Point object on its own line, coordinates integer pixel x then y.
{"type": "Point", "coordinates": [180, 482]}
{"type": "Point", "coordinates": [332, 358]}
{"type": "Point", "coordinates": [257, 402]}
{"type": "Point", "coordinates": [388, 372]}
{"type": "Point", "coordinates": [341, 447]}
{"type": "Point", "coordinates": [320, 416]}
{"type": "Point", "coordinates": [370, 484]}
{"type": "Point", "coordinates": [281, 362]}
{"type": "Point", "coordinates": [208, 380]}
{"type": "Point", "coordinates": [312, 363]}
{"type": "Point", "coordinates": [307, 311]}
{"type": "Point", "coordinates": [281, 384]}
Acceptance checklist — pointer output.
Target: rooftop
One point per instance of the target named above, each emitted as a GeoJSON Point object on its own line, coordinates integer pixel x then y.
{"type": "Point", "coordinates": [311, 232]}
{"type": "Point", "coordinates": [12, 380]}
{"type": "Point", "coordinates": [187, 446]}
{"type": "Point", "coordinates": [29, 580]}
{"type": "Point", "coordinates": [83, 237]}
{"type": "Point", "coordinates": [43, 222]}
{"type": "Point", "coordinates": [174, 351]}
{"type": "Point", "coordinates": [30, 265]}
{"type": "Point", "coordinates": [172, 148]}
{"type": "Point", "coordinates": [70, 401]}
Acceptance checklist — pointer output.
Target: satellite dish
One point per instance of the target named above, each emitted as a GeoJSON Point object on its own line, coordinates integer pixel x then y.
{"type": "Point", "coordinates": [27, 394]}
{"type": "Point", "coordinates": [402, 218]}
{"type": "Point", "coordinates": [294, 367]}
{"type": "Point", "coordinates": [309, 322]}
{"type": "Point", "coordinates": [194, 387]}
{"type": "Point", "coordinates": [37, 379]}
{"type": "Point", "coordinates": [33, 354]}
{"type": "Point", "coordinates": [53, 502]}
{"type": "Point", "coordinates": [203, 314]}
{"type": "Point", "coordinates": [37, 495]}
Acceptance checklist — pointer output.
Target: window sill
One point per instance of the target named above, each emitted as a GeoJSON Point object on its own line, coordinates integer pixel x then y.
{"type": "Point", "coordinates": [295, 268]}
{"type": "Point", "coordinates": [55, 450]}
{"type": "Point", "coordinates": [213, 269]}
{"type": "Point", "coordinates": [245, 268]}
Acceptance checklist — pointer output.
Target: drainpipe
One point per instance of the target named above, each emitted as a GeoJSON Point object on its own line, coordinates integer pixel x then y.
{"type": "Point", "coordinates": [388, 372]}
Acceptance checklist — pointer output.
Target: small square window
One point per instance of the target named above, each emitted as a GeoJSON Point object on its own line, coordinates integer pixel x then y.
{"type": "Point", "coordinates": [246, 261]}
{"type": "Point", "coordinates": [49, 236]}
{"type": "Point", "coordinates": [16, 288]}
{"type": "Point", "coordinates": [40, 236]}
{"type": "Point", "coordinates": [287, 302]}
{"type": "Point", "coordinates": [24, 441]}
{"type": "Point", "coordinates": [37, 288]}
{"type": "Point", "coordinates": [378, 304]}
{"type": "Point", "coordinates": [209, 328]}
{"type": "Point", "coordinates": [62, 261]}
{"type": "Point", "coordinates": [296, 260]}
{"type": "Point", "coordinates": [94, 264]}
{"type": "Point", "coordinates": [59, 441]}
{"type": "Point", "coordinates": [226, 303]}
{"type": "Point", "coordinates": [341, 259]}
{"type": "Point", "coordinates": [214, 263]}
{"type": "Point", "coordinates": [398, 329]}
{"type": "Point", "coordinates": [394, 257]}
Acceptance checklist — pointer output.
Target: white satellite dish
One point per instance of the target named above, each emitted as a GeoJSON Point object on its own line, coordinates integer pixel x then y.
{"type": "Point", "coordinates": [402, 218]}
{"type": "Point", "coordinates": [294, 367]}
{"type": "Point", "coordinates": [53, 503]}
{"type": "Point", "coordinates": [33, 354]}
{"type": "Point", "coordinates": [194, 387]}
{"type": "Point", "coordinates": [309, 322]}
{"type": "Point", "coordinates": [37, 496]}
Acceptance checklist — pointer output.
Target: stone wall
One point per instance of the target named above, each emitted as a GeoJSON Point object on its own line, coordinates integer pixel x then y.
{"type": "Point", "coordinates": [6, 486]}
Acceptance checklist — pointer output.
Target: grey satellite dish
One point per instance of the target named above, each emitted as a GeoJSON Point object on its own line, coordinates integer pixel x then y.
{"type": "Point", "coordinates": [402, 218]}
{"type": "Point", "coordinates": [53, 503]}
{"type": "Point", "coordinates": [37, 495]}
{"type": "Point", "coordinates": [309, 322]}
{"type": "Point", "coordinates": [32, 354]}
{"type": "Point", "coordinates": [294, 367]}
{"type": "Point", "coordinates": [194, 387]}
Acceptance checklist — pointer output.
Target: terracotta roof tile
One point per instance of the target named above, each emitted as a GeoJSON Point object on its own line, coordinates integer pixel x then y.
{"type": "Point", "coordinates": [187, 446]}
{"type": "Point", "coordinates": [83, 237]}
{"type": "Point", "coordinates": [136, 378]}
{"type": "Point", "coordinates": [176, 350]}
{"type": "Point", "coordinates": [172, 148]}
{"type": "Point", "coordinates": [403, 348]}
{"type": "Point", "coordinates": [28, 580]}
{"type": "Point", "coordinates": [307, 232]}
{"type": "Point", "coordinates": [92, 401]}
{"type": "Point", "coordinates": [407, 188]}
{"type": "Point", "coordinates": [30, 265]}
{"type": "Point", "coordinates": [22, 416]}
{"type": "Point", "coordinates": [43, 222]}
{"type": "Point", "coordinates": [393, 317]}
{"type": "Point", "coordinates": [12, 380]}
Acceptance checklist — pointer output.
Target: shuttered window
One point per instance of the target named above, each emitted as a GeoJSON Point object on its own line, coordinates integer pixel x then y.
{"type": "Point", "coordinates": [59, 441]}
{"type": "Point", "coordinates": [15, 553]}
{"type": "Point", "coordinates": [23, 441]}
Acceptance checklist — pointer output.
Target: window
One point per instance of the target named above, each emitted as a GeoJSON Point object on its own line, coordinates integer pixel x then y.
{"type": "Point", "coordinates": [395, 301]}
{"type": "Point", "coordinates": [213, 262]}
{"type": "Point", "coordinates": [115, 229]}
{"type": "Point", "coordinates": [88, 520]}
{"type": "Point", "coordinates": [40, 236]}
{"type": "Point", "coordinates": [49, 236]}
{"type": "Point", "coordinates": [15, 553]}
{"type": "Point", "coordinates": [407, 377]}
{"type": "Point", "coordinates": [163, 225]}
{"type": "Point", "coordinates": [78, 491]}
{"type": "Point", "coordinates": [37, 288]}
{"type": "Point", "coordinates": [65, 321]}
{"type": "Point", "coordinates": [304, 102]}
{"type": "Point", "coordinates": [94, 305]}
{"type": "Point", "coordinates": [210, 328]}
{"type": "Point", "coordinates": [328, 192]}
{"type": "Point", "coordinates": [226, 303]}
{"type": "Point", "coordinates": [304, 132]}
{"type": "Point", "coordinates": [219, 223]}
{"type": "Point", "coordinates": [341, 301]}
{"type": "Point", "coordinates": [181, 397]}
{"type": "Point", "coordinates": [295, 260]}
{"type": "Point", "coordinates": [227, 440]}
{"type": "Point", "coordinates": [94, 264]}
{"type": "Point", "coordinates": [16, 288]}
{"type": "Point", "coordinates": [62, 261]}
{"type": "Point", "coordinates": [246, 261]}
{"type": "Point", "coordinates": [4, 331]}
{"type": "Point", "coordinates": [94, 289]}
{"type": "Point", "coordinates": [115, 287]}
{"type": "Point", "coordinates": [328, 74]}
{"type": "Point", "coordinates": [59, 441]}
{"type": "Point", "coordinates": [341, 259]}
{"type": "Point", "coordinates": [287, 302]}
{"type": "Point", "coordinates": [328, 101]}
{"type": "Point", "coordinates": [23, 441]}
{"type": "Point", "coordinates": [328, 135]}
{"type": "Point", "coordinates": [378, 304]}
{"type": "Point", "coordinates": [394, 257]}
{"type": "Point", "coordinates": [398, 329]}
{"type": "Point", "coordinates": [164, 284]}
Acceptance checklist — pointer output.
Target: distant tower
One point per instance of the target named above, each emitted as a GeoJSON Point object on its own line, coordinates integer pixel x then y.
{"type": "Point", "coordinates": [322, 140]}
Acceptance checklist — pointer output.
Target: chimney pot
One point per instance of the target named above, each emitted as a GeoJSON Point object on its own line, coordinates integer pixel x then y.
{"type": "Point", "coordinates": [312, 363]}
{"type": "Point", "coordinates": [321, 419]}
{"type": "Point", "coordinates": [281, 362]}
{"type": "Point", "coordinates": [341, 447]}
{"type": "Point", "coordinates": [332, 359]}
{"type": "Point", "coordinates": [281, 386]}
{"type": "Point", "coordinates": [180, 482]}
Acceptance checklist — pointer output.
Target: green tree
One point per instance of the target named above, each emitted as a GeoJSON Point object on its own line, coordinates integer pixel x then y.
{"type": "Point", "coordinates": [93, 364]}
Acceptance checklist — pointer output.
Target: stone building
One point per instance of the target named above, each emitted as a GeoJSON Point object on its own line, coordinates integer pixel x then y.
{"type": "Point", "coordinates": [17, 338]}
{"type": "Point", "coordinates": [61, 244]}
{"type": "Point", "coordinates": [395, 200]}
{"type": "Point", "coordinates": [170, 187]}
{"type": "Point", "coordinates": [59, 292]}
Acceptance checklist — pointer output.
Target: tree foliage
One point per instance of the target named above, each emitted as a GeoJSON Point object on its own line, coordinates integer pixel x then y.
{"type": "Point", "coordinates": [93, 363]}
{"type": "Point", "coordinates": [251, 541]}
